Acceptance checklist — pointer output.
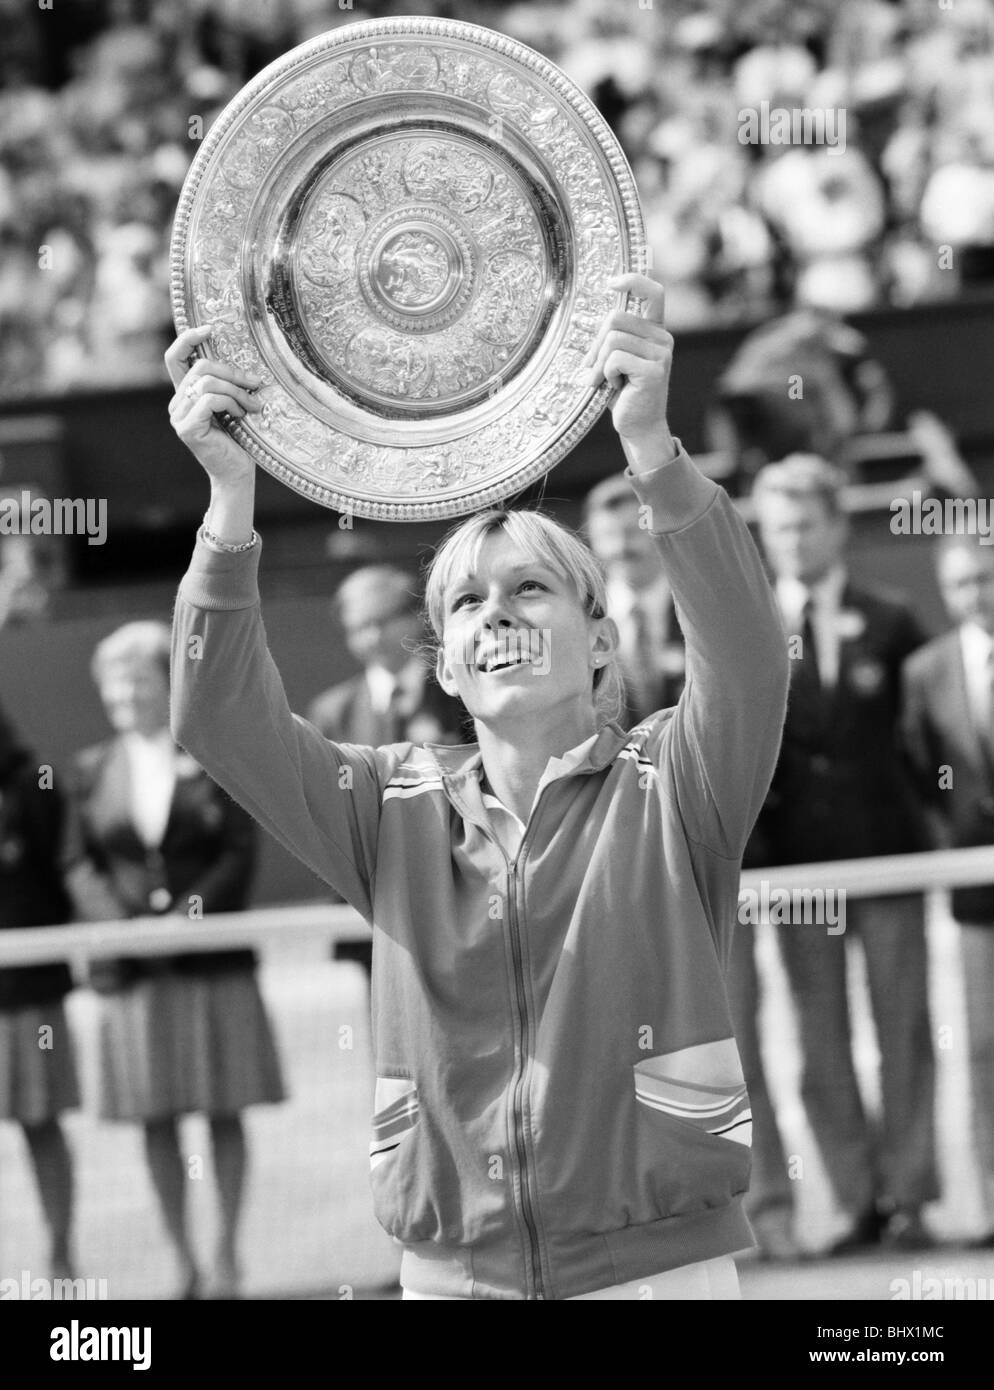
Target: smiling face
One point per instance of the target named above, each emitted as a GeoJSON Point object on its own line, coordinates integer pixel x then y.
{"type": "Point", "coordinates": [517, 641]}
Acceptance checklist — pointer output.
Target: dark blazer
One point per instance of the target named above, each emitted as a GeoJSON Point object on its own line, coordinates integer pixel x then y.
{"type": "Point", "coordinates": [939, 732]}
{"type": "Point", "coordinates": [668, 683]}
{"type": "Point", "coordinates": [31, 889]}
{"type": "Point", "coordinates": [208, 850]}
{"type": "Point", "coordinates": [345, 714]}
{"type": "Point", "coordinates": [842, 787]}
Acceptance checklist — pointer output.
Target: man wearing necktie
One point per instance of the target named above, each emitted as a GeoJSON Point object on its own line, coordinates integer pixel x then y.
{"type": "Point", "coordinates": [650, 644]}
{"type": "Point", "coordinates": [949, 730]}
{"type": "Point", "coordinates": [842, 790]}
{"type": "Point", "coordinates": [394, 698]}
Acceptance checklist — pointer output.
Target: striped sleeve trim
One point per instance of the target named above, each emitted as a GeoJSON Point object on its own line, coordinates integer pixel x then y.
{"type": "Point", "coordinates": [406, 787]}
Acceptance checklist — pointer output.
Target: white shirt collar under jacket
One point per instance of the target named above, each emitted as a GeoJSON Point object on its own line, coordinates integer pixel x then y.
{"type": "Point", "coordinates": [508, 828]}
{"type": "Point", "coordinates": [826, 597]}
{"type": "Point", "coordinates": [382, 683]}
{"type": "Point", "coordinates": [152, 769]}
{"type": "Point", "coordinates": [977, 647]}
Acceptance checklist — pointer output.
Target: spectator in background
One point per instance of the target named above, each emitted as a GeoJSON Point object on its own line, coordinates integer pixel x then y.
{"type": "Point", "coordinates": [395, 697]}
{"type": "Point", "coordinates": [806, 383]}
{"type": "Point", "coordinates": [37, 1069]}
{"type": "Point", "coordinates": [152, 834]}
{"type": "Point", "coordinates": [29, 570]}
{"type": "Point", "coordinates": [639, 600]}
{"type": "Point", "coordinates": [840, 791]}
{"type": "Point", "coordinates": [802, 383]}
{"type": "Point", "coordinates": [949, 731]}
{"type": "Point", "coordinates": [652, 658]}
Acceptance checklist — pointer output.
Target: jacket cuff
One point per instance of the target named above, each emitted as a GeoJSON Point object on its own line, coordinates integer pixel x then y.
{"type": "Point", "coordinates": [677, 492]}
{"type": "Point", "coordinates": [218, 580]}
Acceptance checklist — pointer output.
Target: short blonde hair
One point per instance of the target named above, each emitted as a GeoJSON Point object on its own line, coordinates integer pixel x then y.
{"type": "Point", "coordinates": [802, 475]}
{"type": "Point", "coordinates": [134, 642]}
{"type": "Point", "coordinates": [549, 542]}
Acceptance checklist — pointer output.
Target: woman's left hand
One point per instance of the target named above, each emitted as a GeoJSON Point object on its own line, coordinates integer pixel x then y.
{"type": "Point", "coordinates": [635, 353]}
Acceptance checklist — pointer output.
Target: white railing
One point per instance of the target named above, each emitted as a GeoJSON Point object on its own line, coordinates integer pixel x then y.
{"type": "Point", "coordinates": [317, 923]}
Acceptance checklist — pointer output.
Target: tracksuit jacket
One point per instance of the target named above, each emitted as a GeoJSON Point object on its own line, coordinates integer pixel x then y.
{"type": "Point", "coordinates": [559, 1101]}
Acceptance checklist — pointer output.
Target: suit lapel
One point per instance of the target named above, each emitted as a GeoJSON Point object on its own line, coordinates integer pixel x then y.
{"type": "Point", "coordinates": [366, 723]}
{"type": "Point", "coordinates": [849, 602]}
{"type": "Point", "coordinates": [109, 806]}
{"type": "Point", "coordinates": [179, 803]}
{"type": "Point", "coordinates": [809, 701]}
{"type": "Point", "coordinates": [956, 703]}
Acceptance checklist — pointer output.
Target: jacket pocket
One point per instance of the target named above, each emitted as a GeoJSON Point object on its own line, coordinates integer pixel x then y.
{"type": "Point", "coordinates": [395, 1113]}
{"type": "Point", "coordinates": [701, 1087]}
{"type": "Point", "coordinates": [692, 1132]}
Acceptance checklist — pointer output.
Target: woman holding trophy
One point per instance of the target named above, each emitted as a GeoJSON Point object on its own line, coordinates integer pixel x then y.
{"type": "Point", "coordinates": [560, 1110]}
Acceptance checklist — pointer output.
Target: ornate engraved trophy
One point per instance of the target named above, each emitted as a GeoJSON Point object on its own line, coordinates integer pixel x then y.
{"type": "Point", "coordinates": [405, 227]}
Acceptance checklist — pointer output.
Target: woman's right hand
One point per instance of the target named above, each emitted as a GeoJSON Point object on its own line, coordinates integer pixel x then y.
{"type": "Point", "coordinates": [204, 388]}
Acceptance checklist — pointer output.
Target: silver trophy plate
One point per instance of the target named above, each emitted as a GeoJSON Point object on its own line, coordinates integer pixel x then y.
{"type": "Point", "coordinates": [405, 228]}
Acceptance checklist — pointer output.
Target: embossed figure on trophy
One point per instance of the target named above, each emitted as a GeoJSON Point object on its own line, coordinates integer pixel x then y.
{"type": "Point", "coordinates": [513, 285]}
{"type": "Point", "coordinates": [522, 102]}
{"type": "Point", "coordinates": [511, 227]}
{"type": "Point", "coordinates": [224, 307]}
{"type": "Point", "coordinates": [470, 186]}
{"type": "Point", "coordinates": [458, 181]}
{"type": "Point", "coordinates": [414, 270]}
{"type": "Point", "coordinates": [382, 69]}
{"type": "Point", "coordinates": [375, 166]}
{"type": "Point", "coordinates": [388, 363]}
{"type": "Point", "coordinates": [336, 233]}
{"type": "Point", "coordinates": [598, 238]}
{"type": "Point", "coordinates": [333, 229]}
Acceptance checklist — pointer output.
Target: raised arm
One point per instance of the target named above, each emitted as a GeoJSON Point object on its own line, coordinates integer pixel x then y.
{"type": "Point", "coordinates": [725, 735]}
{"type": "Point", "coordinates": [229, 709]}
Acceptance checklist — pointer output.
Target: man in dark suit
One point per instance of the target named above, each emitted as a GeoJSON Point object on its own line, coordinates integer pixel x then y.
{"type": "Point", "coordinates": [949, 732]}
{"type": "Point", "coordinates": [395, 697]}
{"type": "Point", "coordinates": [841, 790]}
{"type": "Point", "coordinates": [651, 646]}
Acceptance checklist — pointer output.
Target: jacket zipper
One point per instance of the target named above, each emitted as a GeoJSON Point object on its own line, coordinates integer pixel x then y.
{"type": "Point", "coordinates": [517, 1100]}
{"type": "Point", "coordinates": [517, 1106]}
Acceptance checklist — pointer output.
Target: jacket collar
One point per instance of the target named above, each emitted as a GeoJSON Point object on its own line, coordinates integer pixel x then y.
{"type": "Point", "coordinates": [456, 762]}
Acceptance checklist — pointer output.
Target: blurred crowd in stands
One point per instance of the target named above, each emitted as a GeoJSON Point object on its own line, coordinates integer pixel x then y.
{"type": "Point", "coordinates": [96, 101]}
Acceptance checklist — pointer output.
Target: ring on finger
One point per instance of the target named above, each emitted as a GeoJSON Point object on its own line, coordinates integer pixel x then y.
{"type": "Point", "coordinates": [194, 388]}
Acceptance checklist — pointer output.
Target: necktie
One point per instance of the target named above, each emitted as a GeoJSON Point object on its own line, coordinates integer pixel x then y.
{"type": "Point", "coordinates": [394, 712]}
{"type": "Point", "coordinates": [638, 663]}
{"type": "Point", "coordinates": [987, 714]}
{"type": "Point", "coordinates": [809, 647]}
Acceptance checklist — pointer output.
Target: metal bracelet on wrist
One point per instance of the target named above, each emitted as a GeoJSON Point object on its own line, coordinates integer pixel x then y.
{"type": "Point", "coordinates": [216, 543]}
